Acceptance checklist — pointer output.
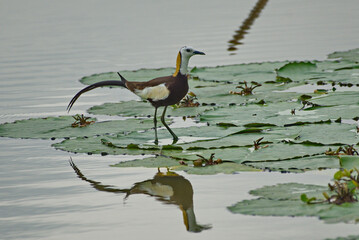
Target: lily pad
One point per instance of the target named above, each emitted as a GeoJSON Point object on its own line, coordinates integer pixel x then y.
{"type": "Point", "coordinates": [101, 145]}
{"type": "Point", "coordinates": [60, 127]}
{"type": "Point", "coordinates": [226, 154]}
{"type": "Point", "coordinates": [289, 191]}
{"type": "Point", "coordinates": [349, 162]}
{"type": "Point", "coordinates": [160, 161]}
{"type": "Point", "coordinates": [325, 134]}
{"type": "Point", "coordinates": [350, 55]}
{"type": "Point", "coordinates": [259, 72]}
{"type": "Point", "coordinates": [295, 71]}
{"type": "Point", "coordinates": [226, 168]}
{"type": "Point", "coordinates": [338, 98]}
{"type": "Point", "coordinates": [150, 162]}
{"type": "Point", "coordinates": [252, 113]}
{"type": "Point", "coordinates": [284, 200]}
{"type": "Point", "coordinates": [142, 140]}
{"type": "Point", "coordinates": [299, 164]}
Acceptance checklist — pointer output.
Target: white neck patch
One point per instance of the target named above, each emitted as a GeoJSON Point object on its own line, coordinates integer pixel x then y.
{"type": "Point", "coordinates": [184, 65]}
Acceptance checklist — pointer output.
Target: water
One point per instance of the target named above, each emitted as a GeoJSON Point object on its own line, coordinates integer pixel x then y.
{"type": "Point", "coordinates": [46, 46]}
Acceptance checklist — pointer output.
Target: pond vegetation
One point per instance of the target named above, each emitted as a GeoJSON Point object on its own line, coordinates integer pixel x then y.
{"type": "Point", "coordinates": [274, 128]}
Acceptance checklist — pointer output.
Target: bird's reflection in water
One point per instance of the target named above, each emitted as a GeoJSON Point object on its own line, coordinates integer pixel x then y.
{"type": "Point", "coordinates": [167, 187]}
{"type": "Point", "coordinates": [246, 25]}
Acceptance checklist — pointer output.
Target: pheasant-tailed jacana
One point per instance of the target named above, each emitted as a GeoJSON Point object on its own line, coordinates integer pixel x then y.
{"type": "Point", "coordinates": [162, 91]}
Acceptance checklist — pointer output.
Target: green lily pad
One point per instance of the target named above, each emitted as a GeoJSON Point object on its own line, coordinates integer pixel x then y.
{"type": "Point", "coordinates": [350, 55]}
{"type": "Point", "coordinates": [349, 162]}
{"type": "Point", "coordinates": [230, 144]}
{"type": "Point", "coordinates": [226, 168]}
{"type": "Point", "coordinates": [226, 154]}
{"type": "Point", "coordinates": [274, 156]}
{"type": "Point", "coordinates": [242, 138]}
{"type": "Point", "coordinates": [289, 191]}
{"type": "Point", "coordinates": [295, 71]}
{"type": "Point", "coordinates": [251, 113]}
{"type": "Point", "coordinates": [280, 151]}
{"type": "Point", "coordinates": [259, 72]}
{"type": "Point", "coordinates": [284, 200]}
{"type": "Point", "coordinates": [323, 134]}
{"type": "Point", "coordinates": [298, 164]}
{"type": "Point", "coordinates": [338, 98]}
{"type": "Point", "coordinates": [60, 127]}
{"type": "Point", "coordinates": [142, 140]}
{"type": "Point", "coordinates": [270, 207]}
{"type": "Point", "coordinates": [101, 145]}
{"type": "Point", "coordinates": [160, 161]}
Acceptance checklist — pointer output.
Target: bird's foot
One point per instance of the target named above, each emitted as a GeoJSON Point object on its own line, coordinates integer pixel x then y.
{"type": "Point", "coordinates": [175, 139]}
{"type": "Point", "coordinates": [156, 141]}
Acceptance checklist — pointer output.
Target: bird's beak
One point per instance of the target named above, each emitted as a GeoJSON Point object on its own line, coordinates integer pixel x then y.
{"type": "Point", "coordinates": [199, 53]}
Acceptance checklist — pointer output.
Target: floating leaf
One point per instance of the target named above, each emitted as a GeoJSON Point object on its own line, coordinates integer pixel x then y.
{"type": "Point", "coordinates": [226, 167]}
{"type": "Point", "coordinates": [61, 127]}
{"type": "Point", "coordinates": [288, 191]}
{"type": "Point", "coordinates": [285, 200]}
{"type": "Point", "coordinates": [325, 134]}
{"type": "Point", "coordinates": [259, 72]}
{"type": "Point", "coordinates": [350, 55]}
{"type": "Point", "coordinates": [160, 161]}
{"type": "Point", "coordinates": [349, 162]}
{"type": "Point", "coordinates": [151, 162]}
{"type": "Point", "coordinates": [139, 141]}
{"type": "Point", "coordinates": [100, 145]}
{"type": "Point", "coordinates": [295, 71]}
{"type": "Point", "coordinates": [298, 164]}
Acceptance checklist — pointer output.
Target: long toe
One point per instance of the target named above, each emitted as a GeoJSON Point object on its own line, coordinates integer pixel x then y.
{"type": "Point", "coordinates": [175, 139]}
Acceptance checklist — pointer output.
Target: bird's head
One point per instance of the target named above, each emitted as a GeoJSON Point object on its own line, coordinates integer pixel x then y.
{"type": "Point", "coordinates": [188, 52]}
{"type": "Point", "coordinates": [183, 57]}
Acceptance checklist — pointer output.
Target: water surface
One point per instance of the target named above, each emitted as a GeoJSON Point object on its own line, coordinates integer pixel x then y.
{"type": "Point", "coordinates": [46, 46]}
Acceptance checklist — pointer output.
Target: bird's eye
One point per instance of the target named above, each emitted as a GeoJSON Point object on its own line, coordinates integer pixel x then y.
{"type": "Point", "coordinates": [188, 50]}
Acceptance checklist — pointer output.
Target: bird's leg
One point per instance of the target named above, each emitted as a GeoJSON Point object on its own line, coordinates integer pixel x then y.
{"type": "Point", "coordinates": [155, 123]}
{"type": "Point", "coordinates": [175, 138]}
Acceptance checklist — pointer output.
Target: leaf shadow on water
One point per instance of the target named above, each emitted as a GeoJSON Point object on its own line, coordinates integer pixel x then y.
{"type": "Point", "coordinates": [166, 187]}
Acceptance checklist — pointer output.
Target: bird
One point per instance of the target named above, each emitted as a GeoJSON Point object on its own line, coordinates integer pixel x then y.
{"type": "Point", "coordinates": [160, 92]}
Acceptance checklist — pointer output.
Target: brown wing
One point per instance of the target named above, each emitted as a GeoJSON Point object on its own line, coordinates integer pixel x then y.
{"type": "Point", "coordinates": [133, 86]}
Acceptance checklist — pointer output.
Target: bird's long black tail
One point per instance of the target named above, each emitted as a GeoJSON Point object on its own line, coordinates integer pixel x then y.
{"type": "Point", "coordinates": [121, 83]}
